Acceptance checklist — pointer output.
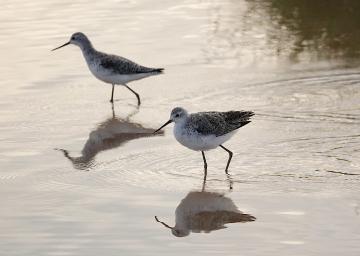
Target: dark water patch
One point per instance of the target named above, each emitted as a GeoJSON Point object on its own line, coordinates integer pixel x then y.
{"type": "Point", "coordinates": [323, 29]}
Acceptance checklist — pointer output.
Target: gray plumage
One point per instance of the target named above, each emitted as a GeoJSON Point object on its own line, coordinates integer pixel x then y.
{"type": "Point", "coordinates": [206, 130]}
{"type": "Point", "coordinates": [115, 64]}
{"type": "Point", "coordinates": [109, 68]}
{"type": "Point", "coordinates": [123, 66]}
{"type": "Point", "coordinates": [218, 123]}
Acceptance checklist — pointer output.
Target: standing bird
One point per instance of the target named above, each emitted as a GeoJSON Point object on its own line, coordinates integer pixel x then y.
{"type": "Point", "coordinates": [207, 130]}
{"type": "Point", "coordinates": [109, 68]}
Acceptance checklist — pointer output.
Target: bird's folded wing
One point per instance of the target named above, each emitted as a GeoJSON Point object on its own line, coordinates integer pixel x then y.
{"type": "Point", "coordinates": [123, 66]}
{"type": "Point", "coordinates": [219, 123]}
{"type": "Point", "coordinates": [207, 123]}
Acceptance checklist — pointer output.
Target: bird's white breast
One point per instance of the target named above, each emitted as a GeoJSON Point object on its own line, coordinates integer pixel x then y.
{"type": "Point", "coordinates": [100, 73]}
{"type": "Point", "coordinates": [196, 141]}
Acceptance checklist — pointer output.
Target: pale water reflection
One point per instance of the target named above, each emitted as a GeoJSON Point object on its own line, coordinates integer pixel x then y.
{"type": "Point", "coordinates": [109, 134]}
{"type": "Point", "coordinates": [295, 167]}
{"type": "Point", "coordinates": [204, 211]}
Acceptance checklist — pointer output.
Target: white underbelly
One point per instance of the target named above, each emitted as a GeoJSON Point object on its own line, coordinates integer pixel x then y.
{"type": "Point", "coordinates": [198, 142]}
{"type": "Point", "coordinates": [120, 79]}
{"type": "Point", "coordinates": [111, 78]}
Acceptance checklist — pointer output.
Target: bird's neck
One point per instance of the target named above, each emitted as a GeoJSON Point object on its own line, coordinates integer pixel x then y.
{"type": "Point", "coordinates": [87, 48]}
{"type": "Point", "coordinates": [180, 123]}
{"type": "Point", "coordinates": [89, 53]}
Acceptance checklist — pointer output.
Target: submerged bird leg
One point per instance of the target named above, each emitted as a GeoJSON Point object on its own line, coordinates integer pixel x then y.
{"type": "Point", "coordinates": [230, 156]}
{"type": "Point", "coordinates": [112, 93]}
{"type": "Point", "coordinates": [204, 184]}
{"type": "Point", "coordinates": [205, 165]}
{"type": "Point", "coordinates": [113, 110]}
{"type": "Point", "coordinates": [230, 182]}
{"type": "Point", "coordinates": [136, 94]}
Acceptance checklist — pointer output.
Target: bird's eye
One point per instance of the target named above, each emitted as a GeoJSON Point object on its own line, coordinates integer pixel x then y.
{"type": "Point", "coordinates": [177, 115]}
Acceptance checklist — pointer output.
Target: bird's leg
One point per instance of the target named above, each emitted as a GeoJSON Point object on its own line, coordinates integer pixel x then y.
{"type": "Point", "coordinates": [205, 165]}
{"type": "Point", "coordinates": [230, 156]}
{"type": "Point", "coordinates": [112, 93]}
{"type": "Point", "coordinates": [203, 185]}
{"type": "Point", "coordinates": [113, 110]}
{"type": "Point", "coordinates": [230, 182]}
{"type": "Point", "coordinates": [136, 94]}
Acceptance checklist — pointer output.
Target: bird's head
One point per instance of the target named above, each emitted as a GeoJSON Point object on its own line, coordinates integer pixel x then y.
{"type": "Point", "coordinates": [79, 39]}
{"type": "Point", "coordinates": [177, 115]}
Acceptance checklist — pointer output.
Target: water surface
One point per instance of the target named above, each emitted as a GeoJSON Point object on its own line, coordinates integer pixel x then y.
{"type": "Point", "coordinates": [81, 177]}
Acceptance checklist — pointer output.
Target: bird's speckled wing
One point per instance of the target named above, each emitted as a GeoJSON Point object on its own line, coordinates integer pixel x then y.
{"type": "Point", "coordinates": [218, 123]}
{"type": "Point", "coordinates": [123, 66]}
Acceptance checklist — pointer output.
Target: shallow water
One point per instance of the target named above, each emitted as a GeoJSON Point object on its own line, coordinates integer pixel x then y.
{"type": "Point", "coordinates": [79, 176]}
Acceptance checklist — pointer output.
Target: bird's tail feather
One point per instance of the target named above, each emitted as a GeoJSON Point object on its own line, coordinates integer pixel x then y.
{"type": "Point", "coordinates": [156, 70]}
{"type": "Point", "coordinates": [240, 118]}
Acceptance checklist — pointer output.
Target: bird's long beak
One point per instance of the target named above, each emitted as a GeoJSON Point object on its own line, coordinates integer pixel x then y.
{"type": "Point", "coordinates": [168, 122]}
{"type": "Point", "coordinates": [61, 46]}
{"type": "Point", "coordinates": [165, 225]}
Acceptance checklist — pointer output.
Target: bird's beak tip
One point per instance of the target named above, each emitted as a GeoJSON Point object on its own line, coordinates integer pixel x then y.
{"type": "Point", "coordinates": [168, 122]}
{"type": "Point", "coordinates": [60, 46]}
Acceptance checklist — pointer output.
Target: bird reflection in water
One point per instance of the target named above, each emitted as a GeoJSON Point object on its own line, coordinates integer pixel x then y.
{"type": "Point", "coordinates": [202, 211]}
{"type": "Point", "coordinates": [109, 134]}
